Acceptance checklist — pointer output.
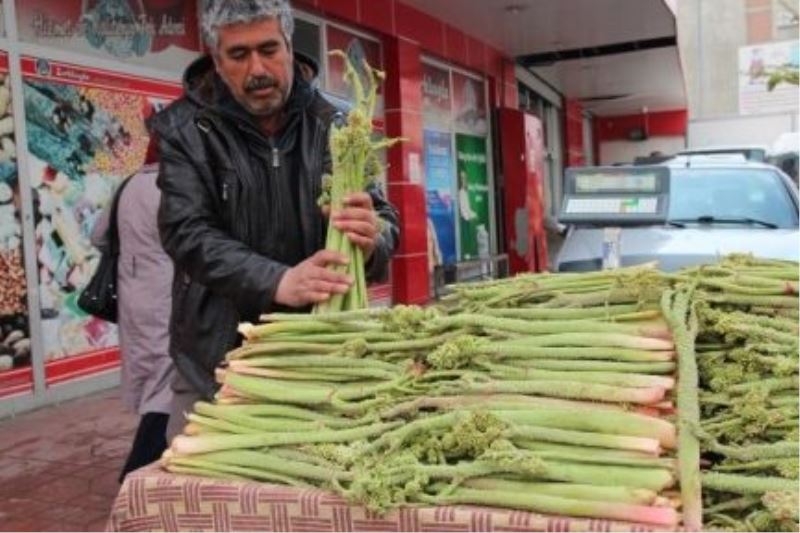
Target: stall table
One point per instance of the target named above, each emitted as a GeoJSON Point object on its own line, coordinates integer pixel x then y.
{"type": "Point", "coordinates": [151, 499]}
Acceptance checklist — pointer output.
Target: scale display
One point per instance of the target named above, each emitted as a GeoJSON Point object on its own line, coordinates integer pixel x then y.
{"type": "Point", "coordinates": [615, 196]}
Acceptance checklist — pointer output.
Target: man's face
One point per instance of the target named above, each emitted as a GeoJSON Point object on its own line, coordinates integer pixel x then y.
{"type": "Point", "coordinates": [255, 62]}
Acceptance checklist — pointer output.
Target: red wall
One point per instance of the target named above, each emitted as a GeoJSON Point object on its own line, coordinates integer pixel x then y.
{"type": "Point", "coordinates": [392, 18]}
{"type": "Point", "coordinates": [660, 124]}
{"type": "Point", "coordinates": [573, 132]}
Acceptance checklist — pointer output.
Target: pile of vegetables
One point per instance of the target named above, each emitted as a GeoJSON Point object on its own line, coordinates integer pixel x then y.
{"type": "Point", "coordinates": [549, 393]}
{"type": "Point", "coordinates": [545, 393]}
{"type": "Point", "coordinates": [747, 361]}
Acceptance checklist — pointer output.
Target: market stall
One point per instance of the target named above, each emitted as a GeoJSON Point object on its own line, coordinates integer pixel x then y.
{"type": "Point", "coordinates": [534, 399]}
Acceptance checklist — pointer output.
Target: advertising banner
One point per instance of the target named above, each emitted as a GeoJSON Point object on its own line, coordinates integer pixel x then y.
{"type": "Point", "coordinates": [85, 134]}
{"type": "Point", "coordinates": [357, 49]}
{"type": "Point", "coordinates": [14, 337]}
{"type": "Point", "coordinates": [437, 110]}
{"type": "Point", "coordinates": [160, 34]}
{"type": "Point", "coordinates": [473, 196]}
{"type": "Point", "coordinates": [440, 188]}
{"type": "Point", "coordinates": [469, 99]}
{"type": "Point", "coordinates": [756, 64]}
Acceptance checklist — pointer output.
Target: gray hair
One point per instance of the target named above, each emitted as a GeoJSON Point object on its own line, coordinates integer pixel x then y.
{"type": "Point", "coordinates": [219, 13]}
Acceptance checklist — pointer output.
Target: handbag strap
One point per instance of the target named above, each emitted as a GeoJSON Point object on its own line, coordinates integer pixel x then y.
{"type": "Point", "coordinates": [113, 231]}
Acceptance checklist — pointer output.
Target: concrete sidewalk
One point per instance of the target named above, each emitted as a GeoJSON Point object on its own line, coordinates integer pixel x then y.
{"type": "Point", "coordinates": [59, 465]}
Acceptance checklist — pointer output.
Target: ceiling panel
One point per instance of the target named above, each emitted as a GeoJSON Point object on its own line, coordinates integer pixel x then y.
{"type": "Point", "coordinates": [521, 27]}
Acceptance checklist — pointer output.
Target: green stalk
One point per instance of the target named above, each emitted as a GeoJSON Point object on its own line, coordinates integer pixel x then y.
{"type": "Point", "coordinates": [566, 490]}
{"type": "Point", "coordinates": [566, 389]}
{"type": "Point", "coordinates": [601, 421]}
{"type": "Point", "coordinates": [597, 340]}
{"type": "Point", "coordinates": [208, 469]}
{"type": "Point", "coordinates": [519, 348]}
{"type": "Point", "coordinates": [527, 327]}
{"type": "Point", "coordinates": [268, 462]}
{"type": "Point", "coordinates": [531, 501]}
{"type": "Point", "coordinates": [604, 378]}
{"type": "Point", "coordinates": [591, 454]}
{"type": "Point", "coordinates": [185, 445]}
{"type": "Point", "coordinates": [683, 319]}
{"type": "Point", "coordinates": [748, 484]}
{"type": "Point", "coordinates": [586, 438]}
{"type": "Point", "coordinates": [279, 348]}
{"type": "Point", "coordinates": [666, 367]}
{"type": "Point", "coordinates": [611, 312]}
{"type": "Point", "coordinates": [313, 361]}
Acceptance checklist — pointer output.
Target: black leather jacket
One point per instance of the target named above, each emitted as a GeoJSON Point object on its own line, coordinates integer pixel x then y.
{"type": "Point", "coordinates": [221, 223]}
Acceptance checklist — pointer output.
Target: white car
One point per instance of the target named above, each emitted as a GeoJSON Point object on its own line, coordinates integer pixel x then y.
{"type": "Point", "coordinates": [714, 210]}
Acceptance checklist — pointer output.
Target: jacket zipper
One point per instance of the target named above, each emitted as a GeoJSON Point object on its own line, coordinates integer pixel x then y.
{"type": "Point", "coordinates": [276, 157]}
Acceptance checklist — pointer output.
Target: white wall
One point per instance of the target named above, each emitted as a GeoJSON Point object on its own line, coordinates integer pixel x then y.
{"type": "Point", "coordinates": [626, 151]}
{"type": "Point", "coordinates": [762, 129]}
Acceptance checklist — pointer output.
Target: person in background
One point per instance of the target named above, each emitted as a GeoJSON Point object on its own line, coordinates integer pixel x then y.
{"type": "Point", "coordinates": [242, 159]}
{"type": "Point", "coordinates": [144, 280]}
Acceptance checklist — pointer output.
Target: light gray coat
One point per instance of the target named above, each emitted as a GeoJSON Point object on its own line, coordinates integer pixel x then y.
{"type": "Point", "coordinates": [144, 285]}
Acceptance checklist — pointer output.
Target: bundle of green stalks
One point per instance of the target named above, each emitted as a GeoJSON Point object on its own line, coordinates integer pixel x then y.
{"type": "Point", "coordinates": [356, 164]}
{"type": "Point", "coordinates": [563, 410]}
{"type": "Point", "coordinates": [747, 372]}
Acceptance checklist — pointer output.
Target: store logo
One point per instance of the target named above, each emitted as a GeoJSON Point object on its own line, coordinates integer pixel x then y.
{"type": "Point", "coordinates": [43, 67]}
{"type": "Point", "coordinates": [436, 89]}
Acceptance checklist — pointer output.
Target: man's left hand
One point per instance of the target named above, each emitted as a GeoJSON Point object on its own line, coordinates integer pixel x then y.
{"type": "Point", "coordinates": [358, 221]}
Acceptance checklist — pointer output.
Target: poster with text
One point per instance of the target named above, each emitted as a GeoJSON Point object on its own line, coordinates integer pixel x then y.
{"type": "Point", "coordinates": [469, 99]}
{"type": "Point", "coordinates": [161, 34]}
{"type": "Point", "coordinates": [756, 65]}
{"type": "Point", "coordinates": [473, 196]}
{"type": "Point", "coordinates": [437, 112]}
{"type": "Point", "coordinates": [85, 134]}
{"type": "Point", "coordinates": [358, 49]}
{"type": "Point", "coordinates": [440, 191]}
{"type": "Point", "coordinates": [15, 345]}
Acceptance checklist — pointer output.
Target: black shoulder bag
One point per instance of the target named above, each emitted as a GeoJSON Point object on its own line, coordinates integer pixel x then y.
{"type": "Point", "coordinates": [99, 297]}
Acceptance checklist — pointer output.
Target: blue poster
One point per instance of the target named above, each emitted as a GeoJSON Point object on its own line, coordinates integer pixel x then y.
{"type": "Point", "coordinates": [440, 184]}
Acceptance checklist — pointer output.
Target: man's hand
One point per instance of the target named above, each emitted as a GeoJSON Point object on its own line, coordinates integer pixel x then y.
{"type": "Point", "coordinates": [311, 282]}
{"type": "Point", "coordinates": [358, 221]}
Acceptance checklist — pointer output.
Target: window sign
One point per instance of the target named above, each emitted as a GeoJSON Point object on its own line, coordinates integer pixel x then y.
{"type": "Point", "coordinates": [469, 105]}
{"type": "Point", "coordinates": [86, 133]}
{"type": "Point", "coordinates": [358, 49]}
{"type": "Point", "coordinates": [161, 34]}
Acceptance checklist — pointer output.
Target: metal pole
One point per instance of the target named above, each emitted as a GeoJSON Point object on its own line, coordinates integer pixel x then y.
{"type": "Point", "coordinates": [26, 195]}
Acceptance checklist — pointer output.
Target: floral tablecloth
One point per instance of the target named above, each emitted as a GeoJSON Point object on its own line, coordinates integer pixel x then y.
{"type": "Point", "coordinates": [153, 500]}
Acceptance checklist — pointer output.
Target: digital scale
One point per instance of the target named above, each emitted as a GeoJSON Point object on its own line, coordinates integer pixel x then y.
{"type": "Point", "coordinates": [615, 196]}
{"type": "Point", "coordinates": [612, 198]}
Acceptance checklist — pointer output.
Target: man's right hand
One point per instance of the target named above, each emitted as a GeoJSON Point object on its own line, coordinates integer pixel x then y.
{"type": "Point", "coordinates": [311, 282]}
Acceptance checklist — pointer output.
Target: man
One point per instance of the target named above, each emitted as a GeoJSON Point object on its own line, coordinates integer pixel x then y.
{"type": "Point", "coordinates": [242, 157]}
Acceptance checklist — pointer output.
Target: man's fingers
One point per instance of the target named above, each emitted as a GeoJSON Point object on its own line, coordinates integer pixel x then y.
{"type": "Point", "coordinates": [354, 213]}
{"type": "Point", "coordinates": [329, 276]}
{"type": "Point", "coordinates": [320, 286]}
{"type": "Point", "coordinates": [324, 258]}
{"type": "Point", "coordinates": [355, 226]}
{"type": "Point", "coordinates": [318, 297]}
{"type": "Point", "coordinates": [359, 240]}
{"type": "Point", "coordinates": [359, 199]}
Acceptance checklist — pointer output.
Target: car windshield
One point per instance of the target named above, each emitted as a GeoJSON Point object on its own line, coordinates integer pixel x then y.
{"type": "Point", "coordinates": [728, 195]}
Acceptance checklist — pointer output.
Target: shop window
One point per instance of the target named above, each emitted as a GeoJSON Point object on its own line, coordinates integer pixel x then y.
{"type": "Point", "coordinates": [457, 166]}
{"type": "Point", "coordinates": [85, 134]}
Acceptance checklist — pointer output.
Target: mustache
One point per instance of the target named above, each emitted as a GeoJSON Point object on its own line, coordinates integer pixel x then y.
{"type": "Point", "coordinates": [260, 82]}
